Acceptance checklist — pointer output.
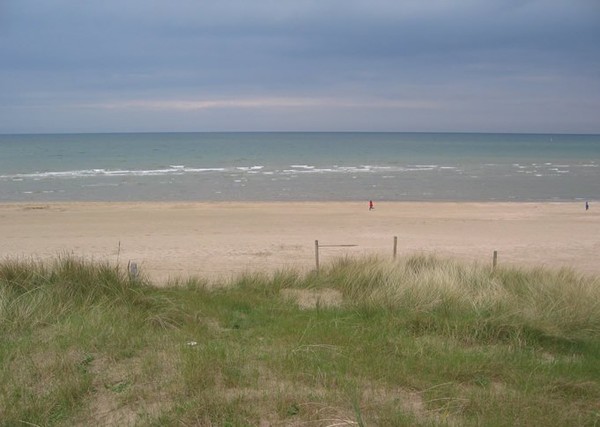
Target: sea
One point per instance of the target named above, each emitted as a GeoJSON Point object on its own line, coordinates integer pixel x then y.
{"type": "Point", "coordinates": [299, 166]}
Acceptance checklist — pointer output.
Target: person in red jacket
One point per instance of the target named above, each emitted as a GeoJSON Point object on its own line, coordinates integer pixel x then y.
{"type": "Point", "coordinates": [371, 207]}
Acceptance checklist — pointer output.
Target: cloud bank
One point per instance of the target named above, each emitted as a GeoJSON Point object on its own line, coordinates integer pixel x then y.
{"type": "Point", "coordinates": [441, 65]}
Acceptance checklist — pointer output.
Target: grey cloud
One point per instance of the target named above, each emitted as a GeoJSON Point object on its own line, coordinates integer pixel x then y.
{"type": "Point", "coordinates": [72, 51]}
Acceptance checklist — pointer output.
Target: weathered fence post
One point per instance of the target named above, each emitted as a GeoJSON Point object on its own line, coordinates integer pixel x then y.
{"type": "Point", "coordinates": [495, 259]}
{"type": "Point", "coordinates": [395, 246]}
{"type": "Point", "coordinates": [317, 254]}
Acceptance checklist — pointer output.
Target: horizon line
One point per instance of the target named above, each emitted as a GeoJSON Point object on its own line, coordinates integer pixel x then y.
{"type": "Point", "coordinates": [294, 131]}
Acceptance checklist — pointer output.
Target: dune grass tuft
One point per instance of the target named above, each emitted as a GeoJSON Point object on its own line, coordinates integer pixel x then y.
{"type": "Point", "coordinates": [560, 304]}
{"type": "Point", "coordinates": [366, 341]}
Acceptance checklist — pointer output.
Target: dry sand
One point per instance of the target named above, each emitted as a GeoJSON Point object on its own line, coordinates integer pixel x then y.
{"type": "Point", "coordinates": [169, 240]}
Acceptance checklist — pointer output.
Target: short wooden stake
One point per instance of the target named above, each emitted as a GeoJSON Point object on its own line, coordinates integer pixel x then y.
{"type": "Point", "coordinates": [495, 260]}
{"type": "Point", "coordinates": [317, 254]}
{"type": "Point", "coordinates": [395, 246]}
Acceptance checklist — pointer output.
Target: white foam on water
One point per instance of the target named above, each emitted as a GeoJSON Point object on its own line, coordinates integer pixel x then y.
{"type": "Point", "coordinates": [249, 168]}
{"type": "Point", "coordinates": [199, 170]}
{"type": "Point", "coordinates": [175, 170]}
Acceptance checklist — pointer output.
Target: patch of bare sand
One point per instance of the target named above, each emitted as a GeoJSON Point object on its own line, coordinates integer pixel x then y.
{"type": "Point", "coordinates": [122, 394]}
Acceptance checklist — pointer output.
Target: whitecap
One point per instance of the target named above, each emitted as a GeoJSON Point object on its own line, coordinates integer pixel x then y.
{"type": "Point", "coordinates": [196, 170]}
{"type": "Point", "coordinates": [249, 168]}
{"type": "Point", "coordinates": [417, 169]}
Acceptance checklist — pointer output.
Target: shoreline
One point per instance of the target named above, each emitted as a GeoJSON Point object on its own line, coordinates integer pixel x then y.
{"type": "Point", "coordinates": [220, 239]}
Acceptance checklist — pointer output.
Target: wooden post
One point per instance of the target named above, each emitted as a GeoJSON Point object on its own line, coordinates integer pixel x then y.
{"type": "Point", "coordinates": [317, 253]}
{"type": "Point", "coordinates": [495, 260]}
{"type": "Point", "coordinates": [395, 246]}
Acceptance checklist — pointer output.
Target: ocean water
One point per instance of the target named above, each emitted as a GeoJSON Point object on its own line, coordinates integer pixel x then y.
{"type": "Point", "coordinates": [299, 166]}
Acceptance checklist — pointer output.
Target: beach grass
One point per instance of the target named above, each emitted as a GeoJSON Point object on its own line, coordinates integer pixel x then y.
{"type": "Point", "coordinates": [365, 341]}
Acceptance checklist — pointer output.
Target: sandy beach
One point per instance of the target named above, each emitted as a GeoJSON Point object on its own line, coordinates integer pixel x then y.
{"type": "Point", "coordinates": [170, 240]}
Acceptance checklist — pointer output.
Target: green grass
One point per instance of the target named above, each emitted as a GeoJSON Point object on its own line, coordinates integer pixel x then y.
{"type": "Point", "coordinates": [420, 341]}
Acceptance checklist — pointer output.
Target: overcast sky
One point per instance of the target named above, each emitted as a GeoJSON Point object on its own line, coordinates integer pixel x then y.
{"type": "Point", "coordinates": [323, 65]}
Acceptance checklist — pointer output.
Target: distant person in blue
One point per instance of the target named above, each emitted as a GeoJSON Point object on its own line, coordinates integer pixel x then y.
{"type": "Point", "coordinates": [587, 205]}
